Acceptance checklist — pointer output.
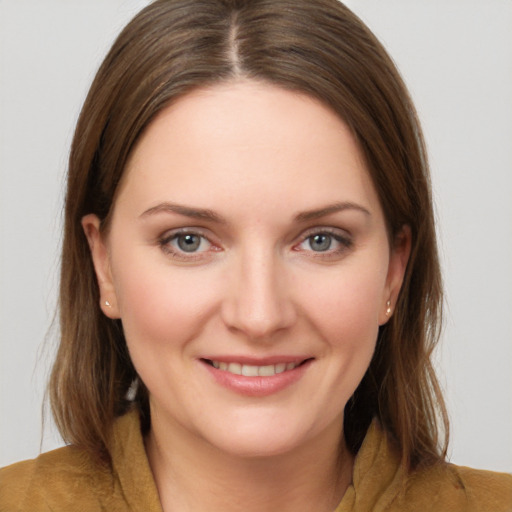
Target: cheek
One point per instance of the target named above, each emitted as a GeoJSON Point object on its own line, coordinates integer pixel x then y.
{"type": "Point", "coordinates": [160, 305]}
{"type": "Point", "coordinates": [346, 317]}
{"type": "Point", "coordinates": [343, 308]}
{"type": "Point", "coordinates": [348, 301]}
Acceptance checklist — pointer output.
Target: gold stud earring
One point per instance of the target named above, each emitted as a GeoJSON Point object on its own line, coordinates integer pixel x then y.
{"type": "Point", "coordinates": [388, 307]}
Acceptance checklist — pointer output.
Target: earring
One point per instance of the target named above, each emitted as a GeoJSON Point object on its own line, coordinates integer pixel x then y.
{"type": "Point", "coordinates": [107, 303]}
{"type": "Point", "coordinates": [388, 307]}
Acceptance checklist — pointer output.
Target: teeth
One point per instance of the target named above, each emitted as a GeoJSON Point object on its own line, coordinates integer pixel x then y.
{"type": "Point", "coordinates": [248, 370]}
{"type": "Point", "coordinates": [235, 368]}
{"type": "Point", "coordinates": [267, 371]}
{"type": "Point", "coordinates": [280, 368]}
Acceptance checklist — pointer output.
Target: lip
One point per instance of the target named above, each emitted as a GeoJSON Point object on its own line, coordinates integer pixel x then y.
{"type": "Point", "coordinates": [257, 386]}
{"type": "Point", "coordinates": [257, 361]}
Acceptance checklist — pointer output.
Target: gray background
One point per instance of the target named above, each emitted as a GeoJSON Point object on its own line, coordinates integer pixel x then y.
{"type": "Point", "coordinates": [456, 57]}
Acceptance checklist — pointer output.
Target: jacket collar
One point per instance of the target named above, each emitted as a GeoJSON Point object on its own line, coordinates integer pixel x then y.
{"type": "Point", "coordinates": [131, 465]}
{"type": "Point", "coordinates": [376, 480]}
{"type": "Point", "coordinates": [377, 477]}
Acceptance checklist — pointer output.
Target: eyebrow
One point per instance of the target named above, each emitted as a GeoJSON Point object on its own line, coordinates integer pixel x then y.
{"type": "Point", "coordinates": [330, 209]}
{"type": "Point", "coordinates": [187, 211]}
{"type": "Point", "coordinates": [210, 215]}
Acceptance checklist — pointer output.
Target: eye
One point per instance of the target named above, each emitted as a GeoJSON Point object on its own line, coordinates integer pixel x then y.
{"type": "Point", "coordinates": [325, 241]}
{"type": "Point", "coordinates": [185, 244]}
{"type": "Point", "coordinates": [320, 242]}
{"type": "Point", "coordinates": [189, 242]}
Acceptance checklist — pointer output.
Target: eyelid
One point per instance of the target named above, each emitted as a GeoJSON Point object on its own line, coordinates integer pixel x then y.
{"type": "Point", "coordinates": [341, 236]}
{"type": "Point", "coordinates": [316, 230]}
{"type": "Point", "coordinates": [164, 241]}
{"type": "Point", "coordinates": [169, 234]}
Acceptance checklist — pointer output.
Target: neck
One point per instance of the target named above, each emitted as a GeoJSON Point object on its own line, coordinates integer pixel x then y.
{"type": "Point", "coordinates": [192, 475]}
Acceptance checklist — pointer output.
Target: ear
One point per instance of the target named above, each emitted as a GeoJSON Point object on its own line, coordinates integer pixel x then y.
{"type": "Point", "coordinates": [398, 257]}
{"type": "Point", "coordinates": [101, 261]}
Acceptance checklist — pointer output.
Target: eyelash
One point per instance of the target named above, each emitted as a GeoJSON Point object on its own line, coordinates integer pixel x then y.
{"type": "Point", "coordinates": [344, 242]}
{"type": "Point", "coordinates": [166, 240]}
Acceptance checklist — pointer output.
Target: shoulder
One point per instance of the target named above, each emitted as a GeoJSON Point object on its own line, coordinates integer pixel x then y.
{"type": "Point", "coordinates": [456, 488]}
{"type": "Point", "coordinates": [62, 479]}
{"type": "Point", "coordinates": [487, 489]}
{"type": "Point", "coordinates": [380, 482]}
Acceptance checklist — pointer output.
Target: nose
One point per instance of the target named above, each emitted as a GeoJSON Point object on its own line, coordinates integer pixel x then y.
{"type": "Point", "coordinates": [258, 300]}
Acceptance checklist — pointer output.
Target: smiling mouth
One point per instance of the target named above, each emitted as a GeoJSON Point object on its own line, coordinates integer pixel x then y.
{"type": "Point", "coordinates": [248, 370]}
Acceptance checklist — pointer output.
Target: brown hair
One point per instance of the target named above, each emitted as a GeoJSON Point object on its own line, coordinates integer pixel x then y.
{"type": "Point", "coordinates": [315, 46]}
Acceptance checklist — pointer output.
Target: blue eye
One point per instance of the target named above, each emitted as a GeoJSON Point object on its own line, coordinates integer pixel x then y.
{"type": "Point", "coordinates": [330, 243]}
{"type": "Point", "coordinates": [189, 242]}
{"type": "Point", "coordinates": [183, 243]}
{"type": "Point", "coordinates": [320, 242]}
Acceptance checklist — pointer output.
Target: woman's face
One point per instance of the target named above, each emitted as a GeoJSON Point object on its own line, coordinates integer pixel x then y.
{"type": "Point", "coordinates": [249, 262]}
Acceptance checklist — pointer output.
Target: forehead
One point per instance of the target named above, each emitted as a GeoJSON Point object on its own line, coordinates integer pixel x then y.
{"type": "Point", "coordinates": [247, 139]}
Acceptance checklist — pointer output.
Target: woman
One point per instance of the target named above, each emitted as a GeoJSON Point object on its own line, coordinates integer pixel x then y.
{"type": "Point", "coordinates": [250, 288]}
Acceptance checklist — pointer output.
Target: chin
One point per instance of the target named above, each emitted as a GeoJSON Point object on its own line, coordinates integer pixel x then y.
{"type": "Point", "coordinates": [256, 446]}
{"type": "Point", "coordinates": [267, 437]}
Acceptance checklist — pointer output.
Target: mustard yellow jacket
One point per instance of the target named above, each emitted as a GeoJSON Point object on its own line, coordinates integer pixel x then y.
{"type": "Point", "coordinates": [67, 480]}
